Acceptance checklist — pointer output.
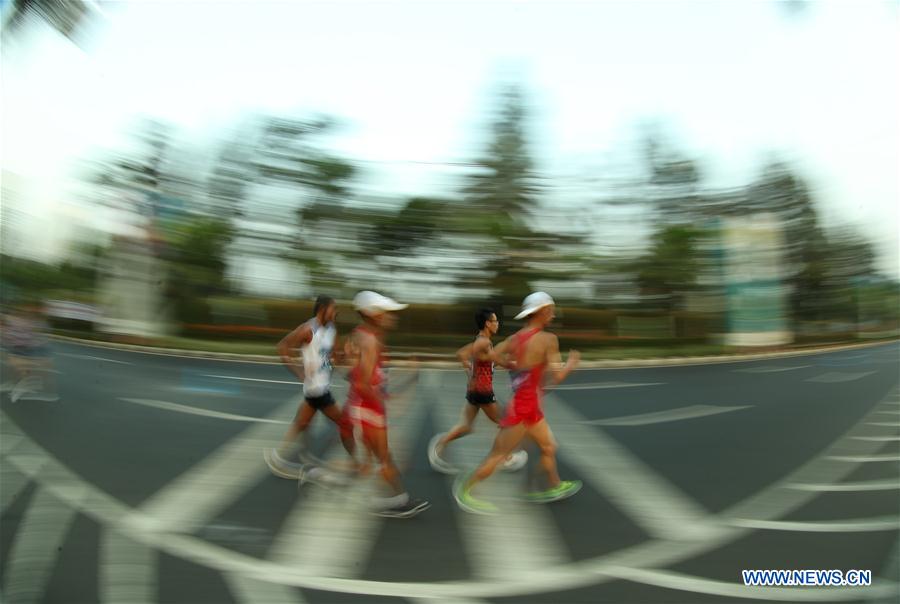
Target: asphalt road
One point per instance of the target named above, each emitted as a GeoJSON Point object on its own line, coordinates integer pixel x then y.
{"type": "Point", "coordinates": [145, 483]}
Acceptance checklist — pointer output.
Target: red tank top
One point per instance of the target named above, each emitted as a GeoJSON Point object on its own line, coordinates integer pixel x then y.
{"type": "Point", "coordinates": [526, 383]}
{"type": "Point", "coordinates": [482, 377]}
{"type": "Point", "coordinates": [377, 379]}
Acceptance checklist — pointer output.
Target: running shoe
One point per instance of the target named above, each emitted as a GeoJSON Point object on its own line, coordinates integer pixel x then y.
{"type": "Point", "coordinates": [468, 502]}
{"type": "Point", "coordinates": [409, 509]}
{"type": "Point", "coordinates": [281, 467]}
{"type": "Point", "coordinates": [438, 464]}
{"type": "Point", "coordinates": [564, 490]}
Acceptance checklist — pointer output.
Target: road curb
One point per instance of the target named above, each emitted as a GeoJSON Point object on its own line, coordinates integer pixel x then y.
{"type": "Point", "coordinates": [605, 364]}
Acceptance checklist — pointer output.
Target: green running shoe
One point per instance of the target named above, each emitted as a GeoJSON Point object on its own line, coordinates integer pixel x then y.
{"type": "Point", "coordinates": [469, 502]}
{"type": "Point", "coordinates": [564, 490]}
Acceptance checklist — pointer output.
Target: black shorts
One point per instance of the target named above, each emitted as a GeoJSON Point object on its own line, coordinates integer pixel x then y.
{"type": "Point", "coordinates": [480, 398]}
{"type": "Point", "coordinates": [320, 402]}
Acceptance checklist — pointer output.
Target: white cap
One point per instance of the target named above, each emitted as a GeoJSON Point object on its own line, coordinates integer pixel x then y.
{"type": "Point", "coordinates": [374, 303]}
{"type": "Point", "coordinates": [533, 303]}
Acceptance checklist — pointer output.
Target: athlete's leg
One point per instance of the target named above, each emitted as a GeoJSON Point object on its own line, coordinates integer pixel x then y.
{"type": "Point", "coordinates": [461, 429]}
{"type": "Point", "coordinates": [541, 434]}
{"type": "Point", "coordinates": [377, 443]}
{"type": "Point", "coordinates": [506, 441]}
{"type": "Point", "coordinates": [493, 412]}
{"type": "Point", "coordinates": [301, 422]}
{"type": "Point", "coordinates": [334, 413]}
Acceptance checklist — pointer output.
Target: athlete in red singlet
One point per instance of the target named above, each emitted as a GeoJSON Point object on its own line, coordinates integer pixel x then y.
{"type": "Point", "coordinates": [478, 359]}
{"type": "Point", "coordinates": [533, 349]}
{"type": "Point", "coordinates": [367, 395]}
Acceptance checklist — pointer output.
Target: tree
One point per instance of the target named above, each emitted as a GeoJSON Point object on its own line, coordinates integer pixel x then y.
{"type": "Point", "coordinates": [67, 17]}
{"type": "Point", "coordinates": [672, 264]}
{"type": "Point", "coordinates": [782, 192]}
{"type": "Point", "coordinates": [500, 203]}
{"type": "Point", "coordinates": [196, 257]}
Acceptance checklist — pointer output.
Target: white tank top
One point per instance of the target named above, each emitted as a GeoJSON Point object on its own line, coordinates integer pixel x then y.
{"type": "Point", "coordinates": [317, 359]}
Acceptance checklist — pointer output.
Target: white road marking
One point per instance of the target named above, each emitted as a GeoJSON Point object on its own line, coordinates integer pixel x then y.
{"type": "Point", "coordinates": [658, 506]}
{"type": "Point", "coordinates": [526, 537]}
{"type": "Point", "coordinates": [672, 580]}
{"type": "Point", "coordinates": [12, 484]}
{"type": "Point", "coordinates": [37, 544]}
{"type": "Point", "coordinates": [109, 511]}
{"type": "Point", "coordinates": [250, 591]}
{"type": "Point", "coordinates": [834, 377]}
{"type": "Point", "coordinates": [886, 523]}
{"type": "Point", "coordinates": [9, 442]}
{"type": "Point", "coordinates": [217, 480]}
{"type": "Point", "coordinates": [202, 412]}
{"type": "Point", "coordinates": [246, 379]}
{"type": "Point", "coordinates": [603, 385]}
{"type": "Point", "coordinates": [870, 485]}
{"type": "Point", "coordinates": [877, 438]}
{"type": "Point", "coordinates": [93, 358]}
{"type": "Point", "coordinates": [770, 369]}
{"type": "Point", "coordinates": [659, 417]}
{"type": "Point", "coordinates": [331, 533]}
{"type": "Point", "coordinates": [863, 458]}
{"type": "Point", "coordinates": [127, 569]}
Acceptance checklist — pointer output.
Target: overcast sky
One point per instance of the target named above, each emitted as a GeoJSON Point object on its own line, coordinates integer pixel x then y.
{"type": "Point", "coordinates": [414, 82]}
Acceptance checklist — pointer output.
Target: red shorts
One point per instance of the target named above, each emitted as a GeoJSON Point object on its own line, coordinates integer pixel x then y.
{"type": "Point", "coordinates": [369, 414]}
{"type": "Point", "coordinates": [522, 409]}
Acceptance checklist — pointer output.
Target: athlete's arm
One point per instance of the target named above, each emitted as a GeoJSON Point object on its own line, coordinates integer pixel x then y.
{"type": "Point", "coordinates": [289, 343]}
{"type": "Point", "coordinates": [464, 355]}
{"type": "Point", "coordinates": [368, 357]}
{"type": "Point", "coordinates": [558, 371]}
{"type": "Point", "coordinates": [501, 354]}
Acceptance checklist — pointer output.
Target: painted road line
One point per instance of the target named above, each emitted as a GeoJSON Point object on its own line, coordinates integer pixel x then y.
{"type": "Point", "coordinates": [770, 369]}
{"type": "Point", "coordinates": [215, 482]}
{"type": "Point", "coordinates": [246, 379]}
{"type": "Point", "coordinates": [202, 412]}
{"type": "Point", "coordinates": [128, 570]}
{"type": "Point", "coordinates": [605, 385]}
{"type": "Point", "coordinates": [885, 523]}
{"type": "Point", "coordinates": [247, 590]}
{"type": "Point", "coordinates": [525, 538]}
{"type": "Point", "coordinates": [654, 503]}
{"type": "Point", "coordinates": [93, 358]}
{"type": "Point", "coordinates": [864, 458]}
{"type": "Point", "coordinates": [869, 485]}
{"type": "Point", "coordinates": [659, 417]}
{"type": "Point", "coordinates": [37, 544]}
{"type": "Point", "coordinates": [836, 377]}
{"type": "Point", "coordinates": [330, 533]}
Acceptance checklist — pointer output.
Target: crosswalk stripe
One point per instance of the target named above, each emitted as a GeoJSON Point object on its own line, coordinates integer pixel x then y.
{"type": "Point", "coordinates": [655, 504]}
{"type": "Point", "coordinates": [215, 482]}
{"type": "Point", "coordinates": [36, 546]}
{"type": "Point", "coordinates": [12, 484]}
{"type": "Point", "coordinates": [887, 523]}
{"type": "Point", "coordinates": [127, 569]}
{"type": "Point", "coordinates": [526, 538]}
{"type": "Point", "coordinates": [870, 485]}
{"type": "Point", "coordinates": [331, 533]}
{"type": "Point", "coordinates": [863, 458]}
{"type": "Point", "coordinates": [247, 590]}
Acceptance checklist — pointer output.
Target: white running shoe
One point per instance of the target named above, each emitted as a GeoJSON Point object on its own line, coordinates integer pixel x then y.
{"type": "Point", "coordinates": [437, 463]}
{"type": "Point", "coordinates": [281, 467]}
{"type": "Point", "coordinates": [515, 461]}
